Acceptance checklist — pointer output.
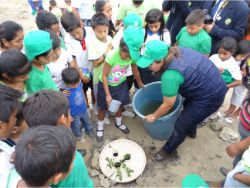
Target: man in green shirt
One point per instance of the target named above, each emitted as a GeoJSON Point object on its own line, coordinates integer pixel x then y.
{"type": "Point", "coordinates": [140, 7]}
{"type": "Point", "coordinates": [193, 35]}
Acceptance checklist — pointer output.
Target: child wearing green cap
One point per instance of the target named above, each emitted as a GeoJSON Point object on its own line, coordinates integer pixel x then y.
{"type": "Point", "coordinates": [112, 83]}
{"type": "Point", "coordinates": [38, 49]}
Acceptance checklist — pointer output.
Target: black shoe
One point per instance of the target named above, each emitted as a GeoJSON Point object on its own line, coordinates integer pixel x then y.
{"type": "Point", "coordinates": [82, 151]}
{"type": "Point", "coordinates": [162, 156]}
{"type": "Point", "coordinates": [224, 171]}
{"type": "Point", "coordinates": [125, 131]}
{"type": "Point", "coordinates": [91, 134]}
{"type": "Point", "coordinates": [192, 134]}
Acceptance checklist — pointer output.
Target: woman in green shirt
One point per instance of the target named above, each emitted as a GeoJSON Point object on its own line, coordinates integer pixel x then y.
{"type": "Point", "coordinates": [191, 74]}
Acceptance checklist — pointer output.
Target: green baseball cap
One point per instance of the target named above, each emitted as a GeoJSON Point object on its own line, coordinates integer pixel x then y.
{"type": "Point", "coordinates": [193, 181]}
{"type": "Point", "coordinates": [132, 19]}
{"type": "Point", "coordinates": [36, 43]}
{"type": "Point", "coordinates": [134, 38]}
{"type": "Point", "coordinates": [154, 50]}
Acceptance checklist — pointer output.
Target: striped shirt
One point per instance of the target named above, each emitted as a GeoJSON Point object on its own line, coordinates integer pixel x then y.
{"type": "Point", "coordinates": [245, 115]}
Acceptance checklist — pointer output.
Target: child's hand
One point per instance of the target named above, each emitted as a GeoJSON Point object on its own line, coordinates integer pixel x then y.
{"type": "Point", "coordinates": [236, 176]}
{"type": "Point", "coordinates": [109, 47]}
{"type": "Point", "coordinates": [233, 150]}
{"type": "Point", "coordinates": [108, 99]}
{"type": "Point", "coordinates": [221, 70]}
{"type": "Point", "coordinates": [85, 79]}
{"type": "Point", "coordinates": [66, 92]}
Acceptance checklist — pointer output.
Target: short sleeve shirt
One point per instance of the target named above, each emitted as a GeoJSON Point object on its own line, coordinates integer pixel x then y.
{"type": "Point", "coordinates": [40, 80]}
{"type": "Point", "coordinates": [119, 67]}
{"type": "Point", "coordinates": [127, 7]}
{"type": "Point", "coordinates": [171, 80]}
{"type": "Point", "coordinates": [200, 42]}
{"type": "Point", "coordinates": [230, 66]}
{"type": "Point", "coordinates": [96, 49]}
{"type": "Point", "coordinates": [57, 67]}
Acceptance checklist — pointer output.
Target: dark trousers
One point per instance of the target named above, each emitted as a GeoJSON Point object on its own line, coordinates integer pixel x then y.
{"type": "Point", "coordinates": [188, 120]}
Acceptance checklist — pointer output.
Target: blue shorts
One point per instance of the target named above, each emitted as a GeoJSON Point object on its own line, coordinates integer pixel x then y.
{"type": "Point", "coordinates": [119, 93]}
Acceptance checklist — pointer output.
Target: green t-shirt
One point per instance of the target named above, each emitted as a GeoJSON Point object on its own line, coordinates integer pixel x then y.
{"type": "Point", "coordinates": [127, 7]}
{"type": "Point", "coordinates": [78, 177]}
{"type": "Point", "coordinates": [39, 80]}
{"type": "Point", "coordinates": [119, 67]}
{"type": "Point", "coordinates": [170, 82]}
{"type": "Point", "coordinates": [200, 42]}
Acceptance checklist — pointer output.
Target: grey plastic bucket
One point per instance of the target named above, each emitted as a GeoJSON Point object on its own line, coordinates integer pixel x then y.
{"type": "Point", "coordinates": [114, 106]}
{"type": "Point", "coordinates": [163, 127]}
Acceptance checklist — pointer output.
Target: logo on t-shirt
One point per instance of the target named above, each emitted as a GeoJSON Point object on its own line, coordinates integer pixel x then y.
{"type": "Point", "coordinates": [118, 74]}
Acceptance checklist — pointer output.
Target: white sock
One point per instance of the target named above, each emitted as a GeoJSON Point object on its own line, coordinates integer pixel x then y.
{"type": "Point", "coordinates": [118, 121]}
{"type": "Point", "coordinates": [100, 127]}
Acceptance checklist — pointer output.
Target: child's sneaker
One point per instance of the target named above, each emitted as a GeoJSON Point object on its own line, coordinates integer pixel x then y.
{"type": "Point", "coordinates": [127, 113]}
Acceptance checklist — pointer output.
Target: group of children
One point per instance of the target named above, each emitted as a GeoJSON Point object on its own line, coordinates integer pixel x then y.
{"type": "Point", "coordinates": [45, 76]}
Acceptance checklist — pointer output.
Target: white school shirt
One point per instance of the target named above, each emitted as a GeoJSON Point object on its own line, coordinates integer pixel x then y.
{"type": "Point", "coordinates": [57, 67]}
{"type": "Point", "coordinates": [74, 47]}
{"type": "Point", "coordinates": [96, 49]}
{"type": "Point", "coordinates": [166, 37]}
{"type": "Point", "coordinates": [5, 165]}
{"type": "Point", "coordinates": [231, 65]}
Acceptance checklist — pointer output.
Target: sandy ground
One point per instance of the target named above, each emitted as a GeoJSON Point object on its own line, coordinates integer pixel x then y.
{"type": "Point", "coordinates": [203, 155]}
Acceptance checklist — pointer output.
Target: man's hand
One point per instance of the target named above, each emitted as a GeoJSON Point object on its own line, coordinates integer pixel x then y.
{"type": "Point", "coordinates": [209, 27]}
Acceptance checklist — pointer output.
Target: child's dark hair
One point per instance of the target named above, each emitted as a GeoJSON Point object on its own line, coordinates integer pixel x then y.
{"type": "Point", "coordinates": [19, 115]}
{"type": "Point", "coordinates": [99, 4]}
{"type": "Point", "coordinates": [13, 63]}
{"type": "Point", "coordinates": [99, 19]}
{"type": "Point", "coordinates": [8, 102]}
{"type": "Point", "coordinates": [123, 46]}
{"type": "Point", "coordinates": [153, 16]}
{"type": "Point", "coordinates": [45, 54]}
{"type": "Point", "coordinates": [69, 22]}
{"type": "Point", "coordinates": [52, 3]}
{"type": "Point", "coordinates": [8, 31]}
{"type": "Point", "coordinates": [70, 75]}
{"type": "Point", "coordinates": [56, 42]}
{"type": "Point", "coordinates": [229, 44]}
{"type": "Point", "coordinates": [243, 47]}
{"type": "Point", "coordinates": [45, 19]}
{"type": "Point", "coordinates": [196, 17]}
{"type": "Point", "coordinates": [43, 152]}
{"type": "Point", "coordinates": [45, 107]}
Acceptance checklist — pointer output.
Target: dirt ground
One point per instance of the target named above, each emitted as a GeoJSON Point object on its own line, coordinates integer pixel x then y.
{"type": "Point", "coordinates": [203, 155]}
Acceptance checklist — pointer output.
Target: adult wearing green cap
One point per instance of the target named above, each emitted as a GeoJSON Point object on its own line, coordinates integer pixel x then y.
{"type": "Point", "coordinates": [112, 85]}
{"type": "Point", "coordinates": [192, 75]}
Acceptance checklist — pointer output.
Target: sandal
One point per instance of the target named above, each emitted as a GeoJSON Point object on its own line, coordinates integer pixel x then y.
{"type": "Point", "coordinates": [99, 138]}
{"type": "Point", "coordinates": [125, 131]}
{"type": "Point", "coordinates": [224, 171]}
